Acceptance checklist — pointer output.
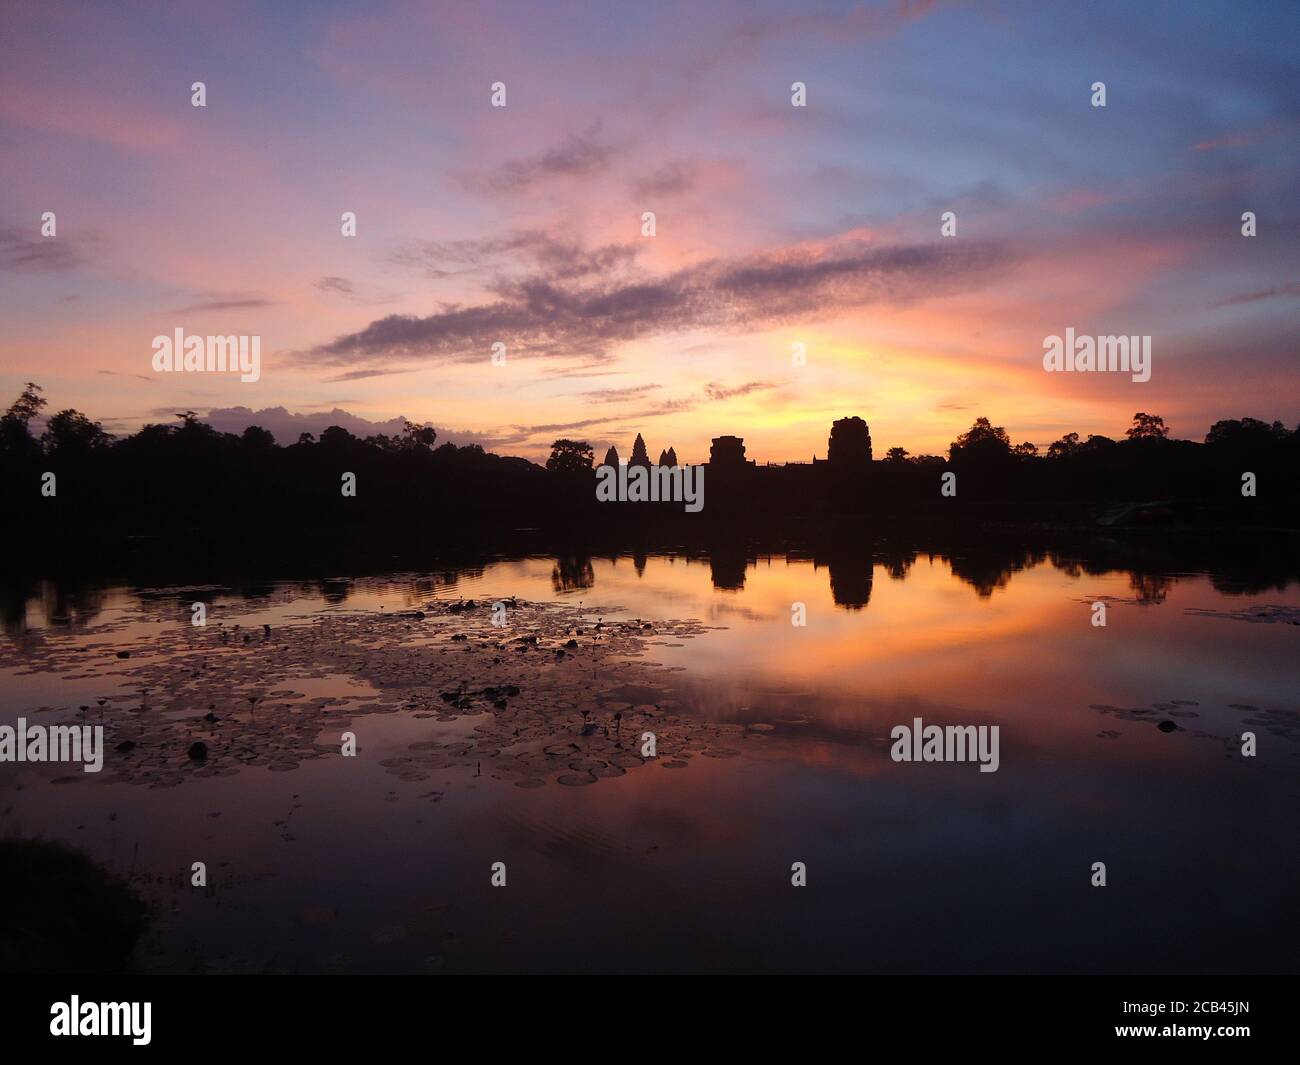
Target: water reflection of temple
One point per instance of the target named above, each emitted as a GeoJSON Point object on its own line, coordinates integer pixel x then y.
{"type": "Point", "coordinates": [727, 567]}
{"type": "Point", "coordinates": [572, 573]}
{"type": "Point", "coordinates": [850, 567]}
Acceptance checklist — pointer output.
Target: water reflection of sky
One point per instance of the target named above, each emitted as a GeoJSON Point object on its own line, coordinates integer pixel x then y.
{"type": "Point", "coordinates": [911, 867]}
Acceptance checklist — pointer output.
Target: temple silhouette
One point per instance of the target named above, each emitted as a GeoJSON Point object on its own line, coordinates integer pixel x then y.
{"type": "Point", "coordinates": [840, 481]}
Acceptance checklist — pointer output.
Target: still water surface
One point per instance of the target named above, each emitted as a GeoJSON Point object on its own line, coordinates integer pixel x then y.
{"type": "Point", "coordinates": [338, 864]}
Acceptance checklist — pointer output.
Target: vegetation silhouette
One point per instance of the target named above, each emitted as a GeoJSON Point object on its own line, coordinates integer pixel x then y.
{"type": "Point", "coordinates": [77, 917]}
{"type": "Point", "coordinates": [187, 480]}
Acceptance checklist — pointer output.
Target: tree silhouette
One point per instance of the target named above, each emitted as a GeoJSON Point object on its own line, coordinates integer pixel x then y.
{"type": "Point", "coordinates": [27, 405]}
{"type": "Point", "coordinates": [1067, 445]}
{"type": "Point", "coordinates": [421, 435]}
{"type": "Point", "coordinates": [13, 424]}
{"type": "Point", "coordinates": [571, 457]}
{"type": "Point", "coordinates": [336, 437]}
{"type": "Point", "coordinates": [1147, 427]}
{"type": "Point", "coordinates": [982, 441]}
{"type": "Point", "coordinates": [255, 438]}
{"type": "Point", "coordinates": [1245, 433]}
{"type": "Point", "coordinates": [71, 432]}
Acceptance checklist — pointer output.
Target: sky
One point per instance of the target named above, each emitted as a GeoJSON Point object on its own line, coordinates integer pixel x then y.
{"type": "Point", "coordinates": [774, 225]}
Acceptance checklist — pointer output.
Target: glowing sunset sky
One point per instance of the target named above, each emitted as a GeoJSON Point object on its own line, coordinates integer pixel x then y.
{"type": "Point", "coordinates": [775, 224]}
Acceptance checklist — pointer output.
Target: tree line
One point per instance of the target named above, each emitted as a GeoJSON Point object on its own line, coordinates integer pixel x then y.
{"type": "Point", "coordinates": [185, 475]}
